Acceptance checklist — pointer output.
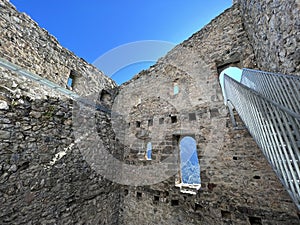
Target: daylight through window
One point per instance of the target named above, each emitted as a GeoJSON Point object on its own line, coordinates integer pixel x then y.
{"type": "Point", "coordinates": [189, 164]}
{"type": "Point", "coordinates": [149, 151]}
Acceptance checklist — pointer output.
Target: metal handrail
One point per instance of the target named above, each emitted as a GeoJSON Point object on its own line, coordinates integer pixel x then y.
{"type": "Point", "coordinates": [21, 71]}
{"type": "Point", "coordinates": [36, 78]}
{"type": "Point", "coordinates": [284, 89]}
{"type": "Point", "coordinates": [273, 119]}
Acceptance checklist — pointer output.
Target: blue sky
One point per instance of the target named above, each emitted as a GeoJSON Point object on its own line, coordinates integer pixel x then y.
{"type": "Point", "coordinates": [92, 28]}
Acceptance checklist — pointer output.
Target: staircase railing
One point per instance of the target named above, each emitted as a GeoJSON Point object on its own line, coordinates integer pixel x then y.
{"type": "Point", "coordinates": [269, 106]}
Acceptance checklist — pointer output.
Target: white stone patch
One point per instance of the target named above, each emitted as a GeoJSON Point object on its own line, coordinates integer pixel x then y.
{"type": "Point", "coordinates": [61, 154]}
{"type": "Point", "coordinates": [3, 105]}
{"type": "Point", "coordinates": [58, 156]}
{"type": "Point", "coordinates": [14, 84]}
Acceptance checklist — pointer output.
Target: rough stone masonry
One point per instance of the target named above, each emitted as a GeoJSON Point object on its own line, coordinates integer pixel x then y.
{"type": "Point", "coordinates": [45, 173]}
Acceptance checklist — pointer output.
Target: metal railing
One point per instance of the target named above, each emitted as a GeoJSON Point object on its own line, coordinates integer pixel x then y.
{"type": "Point", "coordinates": [21, 71]}
{"type": "Point", "coordinates": [269, 105]}
{"type": "Point", "coordinates": [284, 89]}
{"type": "Point", "coordinates": [43, 81]}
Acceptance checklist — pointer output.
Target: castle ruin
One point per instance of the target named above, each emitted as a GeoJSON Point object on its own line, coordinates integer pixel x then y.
{"type": "Point", "coordinates": [48, 177]}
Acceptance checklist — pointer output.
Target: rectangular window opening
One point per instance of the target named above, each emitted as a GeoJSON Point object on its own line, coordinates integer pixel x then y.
{"type": "Point", "coordinates": [174, 119]}
{"type": "Point", "coordinates": [198, 207]}
{"type": "Point", "coordinates": [174, 202]}
{"type": "Point", "coordinates": [156, 199]}
{"type": "Point", "coordinates": [161, 120]}
{"type": "Point", "coordinates": [126, 192]}
{"type": "Point", "coordinates": [139, 195]}
{"type": "Point", "coordinates": [71, 79]}
{"type": "Point", "coordinates": [138, 124]}
{"type": "Point", "coordinates": [176, 89]}
{"type": "Point", "coordinates": [255, 220]}
{"type": "Point", "coordinates": [192, 116]}
{"type": "Point", "coordinates": [150, 122]}
{"type": "Point", "coordinates": [225, 214]}
{"type": "Point", "coordinates": [70, 82]}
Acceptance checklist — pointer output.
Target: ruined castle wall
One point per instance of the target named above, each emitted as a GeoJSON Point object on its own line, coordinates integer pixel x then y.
{"type": "Point", "coordinates": [273, 28]}
{"type": "Point", "coordinates": [44, 177]}
{"type": "Point", "coordinates": [238, 184]}
{"type": "Point", "coordinates": [24, 43]}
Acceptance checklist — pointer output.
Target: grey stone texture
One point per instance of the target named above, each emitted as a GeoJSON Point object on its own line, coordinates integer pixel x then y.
{"type": "Point", "coordinates": [54, 166]}
{"type": "Point", "coordinates": [24, 43]}
{"type": "Point", "coordinates": [44, 178]}
{"type": "Point", "coordinates": [273, 27]}
{"type": "Point", "coordinates": [238, 184]}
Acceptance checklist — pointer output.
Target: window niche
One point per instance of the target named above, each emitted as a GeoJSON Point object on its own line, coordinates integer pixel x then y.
{"type": "Point", "coordinates": [150, 122]}
{"type": "Point", "coordinates": [105, 97]}
{"type": "Point", "coordinates": [255, 220]}
{"type": "Point", "coordinates": [174, 202]}
{"type": "Point", "coordinates": [192, 116]}
{"type": "Point", "coordinates": [139, 195]}
{"type": "Point", "coordinates": [175, 89]}
{"type": "Point", "coordinates": [226, 214]}
{"type": "Point", "coordinates": [161, 121]}
{"type": "Point", "coordinates": [138, 124]}
{"type": "Point", "coordinates": [173, 119]}
{"type": "Point", "coordinates": [156, 199]}
{"type": "Point", "coordinates": [71, 79]}
{"type": "Point", "coordinates": [149, 151]}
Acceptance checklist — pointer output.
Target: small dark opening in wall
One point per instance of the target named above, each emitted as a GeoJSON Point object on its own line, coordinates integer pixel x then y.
{"type": "Point", "coordinates": [174, 202]}
{"type": "Point", "coordinates": [225, 214]}
{"type": "Point", "coordinates": [174, 119]}
{"type": "Point", "coordinates": [138, 195]}
{"type": "Point", "coordinates": [125, 192]}
{"type": "Point", "coordinates": [150, 122]}
{"type": "Point", "coordinates": [198, 207]}
{"type": "Point", "coordinates": [138, 124]}
{"type": "Point", "coordinates": [214, 113]}
{"type": "Point", "coordinates": [105, 97]}
{"type": "Point", "coordinates": [128, 124]}
{"type": "Point", "coordinates": [235, 158]}
{"type": "Point", "coordinates": [192, 116]}
{"type": "Point", "coordinates": [161, 120]}
{"type": "Point", "coordinates": [156, 199]}
{"type": "Point", "coordinates": [255, 220]}
{"type": "Point", "coordinates": [256, 177]}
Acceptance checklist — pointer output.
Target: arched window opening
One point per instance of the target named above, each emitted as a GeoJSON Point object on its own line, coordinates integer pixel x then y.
{"type": "Point", "coordinates": [189, 166]}
{"type": "Point", "coordinates": [149, 151]}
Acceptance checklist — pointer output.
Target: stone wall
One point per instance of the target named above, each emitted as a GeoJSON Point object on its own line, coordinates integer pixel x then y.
{"type": "Point", "coordinates": [44, 178]}
{"type": "Point", "coordinates": [44, 175]}
{"type": "Point", "coordinates": [273, 28]}
{"type": "Point", "coordinates": [54, 163]}
{"type": "Point", "coordinates": [24, 43]}
{"type": "Point", "coordinates": [237, 183]}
